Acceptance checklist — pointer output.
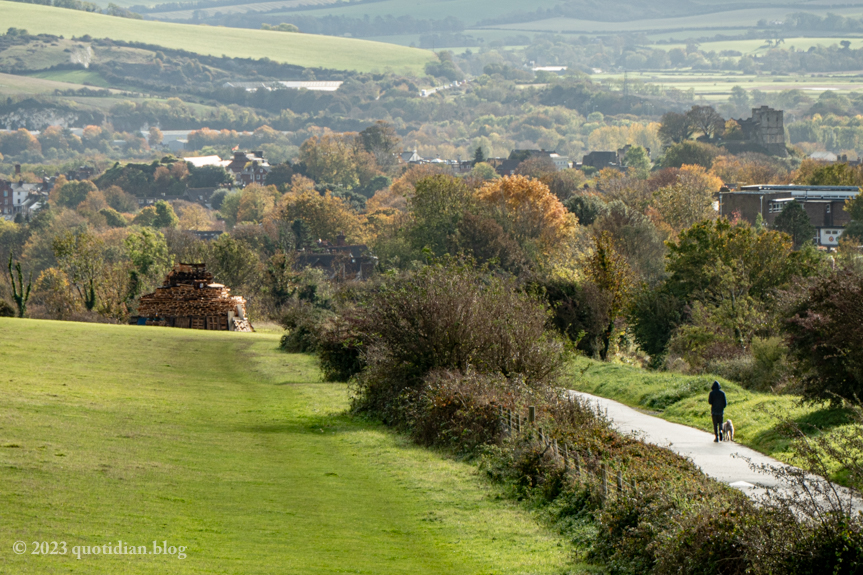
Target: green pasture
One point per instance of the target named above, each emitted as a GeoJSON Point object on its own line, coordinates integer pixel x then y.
{"type": "Point", "coordinates": [683, 399]}
{"type": "Point", "coordinates": [84, 77]}
{"type": "Point", "coordinates": [219, 443]}
{"type": "Point", "coordinates": [306, 50]}
{"type": "Point", "coordinates": [12, 84]}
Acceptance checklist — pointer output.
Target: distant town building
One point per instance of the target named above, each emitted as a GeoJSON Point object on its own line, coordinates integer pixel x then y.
{"type": "Point", "coordinates": [823, 204]}
{"type": "Point", "coordinates": [249, 168]}
{"type": "Point", "coordinates": [339, 261]}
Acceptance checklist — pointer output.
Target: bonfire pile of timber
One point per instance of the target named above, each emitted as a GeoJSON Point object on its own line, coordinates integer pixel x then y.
{"type": "Point", "coordinates": [190, 299]}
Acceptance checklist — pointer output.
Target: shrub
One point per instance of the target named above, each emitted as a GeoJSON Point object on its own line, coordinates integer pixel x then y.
{"type": "Point", "coordinates": [6, 310]}
{"type": "Point", "coordinates": [835, 546]}
{"type": "Point", "coordinates": [339, 347]}
{"type": "Point", "coordinates": [712, 542]}
{"type": "Point", "coordinates": [825, 338]}
{"type": "Point", "coordinates": [450, 316]}
{"type": "Point", "coordinates": [460, 411]}
{"type": "Point", "coordinates": [303, 323]}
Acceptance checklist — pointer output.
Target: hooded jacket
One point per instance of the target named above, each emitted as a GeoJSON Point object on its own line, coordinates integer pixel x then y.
{"type": "Point", "coordinates": [716, 399]}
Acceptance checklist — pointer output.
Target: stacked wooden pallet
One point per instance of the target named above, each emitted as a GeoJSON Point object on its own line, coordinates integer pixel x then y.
{"type": "Point", "coordinates": [190, 299]}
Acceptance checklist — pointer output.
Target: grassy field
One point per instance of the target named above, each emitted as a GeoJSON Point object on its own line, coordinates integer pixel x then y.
{"type": "Point", "coordinates": [301, 49]}
{"type": "Point", "coordinates": [219, 443]}
{"type": "Point", "coordinates": [683, 399]}
{"type": "Point", "coordinates": [716, 85]}
{"type": "Point", "coordinates": [12, 84]}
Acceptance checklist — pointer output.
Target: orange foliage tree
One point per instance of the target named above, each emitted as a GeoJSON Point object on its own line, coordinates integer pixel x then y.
{"type": "Point", "coordinates": [528, 211]}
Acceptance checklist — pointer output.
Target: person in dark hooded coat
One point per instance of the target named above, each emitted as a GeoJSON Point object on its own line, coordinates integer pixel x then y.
{"type": "Point", "coordinates": [717, 402]}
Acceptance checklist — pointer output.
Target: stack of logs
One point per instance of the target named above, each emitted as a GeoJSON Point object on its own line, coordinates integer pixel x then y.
{"type": "Point", "coordinates": [190, 299]}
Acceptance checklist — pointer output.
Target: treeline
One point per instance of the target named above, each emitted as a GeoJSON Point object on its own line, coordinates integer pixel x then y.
{"type": "Point", "coordinates": [111, 10]}
{"type": "Point", "coordinates": [807, 22]}
{"type": "Point", "coordinates": [332, 25]}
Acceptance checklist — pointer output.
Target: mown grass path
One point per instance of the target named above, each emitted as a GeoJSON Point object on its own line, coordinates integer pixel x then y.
{"type": "Point", "coordinates": [220, 443]}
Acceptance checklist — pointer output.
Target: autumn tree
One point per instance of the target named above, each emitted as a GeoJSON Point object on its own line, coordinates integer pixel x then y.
{"type": "Point", "coordinates": [196, 217]}
{"type": "Point", "coordinates": [689, 199]}
{"type": "Point", "coordinates": [154, 136]}
{"type": "Point", "coordinates": [536, 167]}
{"type": "Point", "coordinates": [338, 159]}
{"type": "Point", "coordinates": [79, 254]}
{"type": "Point", "coordinates": [256, 202]}
{"type": "Point", "coordinates": [323, 215]}
{"type": "Point", "coordinates": [528, 211]}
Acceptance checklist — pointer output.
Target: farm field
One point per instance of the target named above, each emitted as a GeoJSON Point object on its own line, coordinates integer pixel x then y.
{"type": "Point", "coordinates": [714, 86]}
{"type": "Point", "coordinates": [683, 399]}
{"type": "Point", "coordinates": [220, 443]}
{"type": "Point", "coordinates": [12, 84]}
{"type": "Point", "coordinates": [300, 49]}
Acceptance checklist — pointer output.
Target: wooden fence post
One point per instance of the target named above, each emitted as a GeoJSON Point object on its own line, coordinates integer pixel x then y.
{"type": "Point", "coordinates": [604, 476]}
{"type": "Point", "coordinates": [578, 466]}
{"type": "Point", "coordinates": [509, 420]}
{"type": "Point", "coordinates": [531, 414]}
{"type": "Point", "coordinates": [518, 422]}
{"type": "Point", "coordinates": [556, 452]}
{"type": "Point", "coordinates": [619, 482]}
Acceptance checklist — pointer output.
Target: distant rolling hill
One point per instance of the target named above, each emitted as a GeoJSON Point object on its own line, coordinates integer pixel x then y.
{"type": "Point", "coordinates": [299, 49]}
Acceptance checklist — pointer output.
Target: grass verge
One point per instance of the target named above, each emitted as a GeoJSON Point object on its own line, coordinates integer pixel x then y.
{"type": "Point", "coordinates": [220, 443]}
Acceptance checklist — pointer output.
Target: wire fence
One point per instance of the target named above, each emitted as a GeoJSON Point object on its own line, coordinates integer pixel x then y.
{"type": "Point", "coordinates": [583, 470]}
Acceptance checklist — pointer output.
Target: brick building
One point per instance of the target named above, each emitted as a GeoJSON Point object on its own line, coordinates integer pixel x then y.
{"type": "Point", "coordinates": [823, 204]}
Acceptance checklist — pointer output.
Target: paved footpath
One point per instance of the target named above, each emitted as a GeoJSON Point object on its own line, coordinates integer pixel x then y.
{"type": "Point", "coordinates": [714, 459]}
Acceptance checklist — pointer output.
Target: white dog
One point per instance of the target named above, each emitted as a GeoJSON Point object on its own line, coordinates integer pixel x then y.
{"type": "Point", "coordinates": [728, 431]}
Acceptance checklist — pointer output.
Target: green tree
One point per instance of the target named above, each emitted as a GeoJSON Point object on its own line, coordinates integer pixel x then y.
{"type": "Point", "coordinates": [20, 294]}
{"type": "Point", "coordinates": [208, 177]}
{"type": "Point", "coordinates": [690, 153]}
{"type": "Point", "coordinates": [608, 270]}
{"type": "Point", "coordinates": [484, 171]}
{"type": "Point", "coordinates": [478, 155]}
{"type": "Point", "coordinates": [234, 262]}
{"type": "Point", "coordinates": [80, 255]}
{"type": "Point", "coordinates": [438, 206]}
{"type": "Point", "coordinates": [148, 252]}
{"type": "Point", "coordinates": [794, 221]}
{"type": "Point", "coordinates": [675, 128]}
{"type": "Point", "coordinates": [382, 141]}
{"type": "Point", "coordinates": [638, 162]}
{"type": "Point", "coordinates": [70, 194]}
{"type": "Point", "coordinates": [280, 176]}
{"type": "Point", "coordinates": [165, 216]}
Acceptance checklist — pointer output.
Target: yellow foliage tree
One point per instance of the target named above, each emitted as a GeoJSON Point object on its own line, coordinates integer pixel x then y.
{"type": "Point", "coordinates": [688, 200]}
{"type": "Point", "coordinates": [256, 202]}
{"type": "Point", "coordinates": [324, 215]}
{"type": "Point", "coordinates": [528, 211]}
